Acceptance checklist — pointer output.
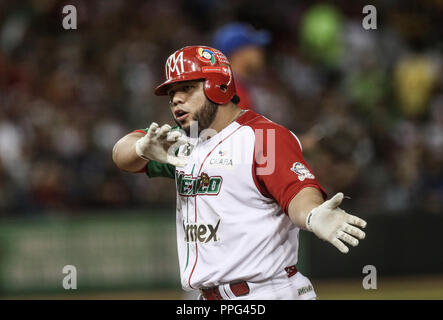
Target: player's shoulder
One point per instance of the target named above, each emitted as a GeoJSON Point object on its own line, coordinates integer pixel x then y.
{"type": "Point", "coordinates": [255, 120]}
{"type": "Point", "coordinates": [260, 124]}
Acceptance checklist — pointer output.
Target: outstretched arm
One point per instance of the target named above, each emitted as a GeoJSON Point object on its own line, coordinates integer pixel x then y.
{"type": "Point", "coordinates": [307, 199]}
{"type": "Point", "coordinates": [325, 219]}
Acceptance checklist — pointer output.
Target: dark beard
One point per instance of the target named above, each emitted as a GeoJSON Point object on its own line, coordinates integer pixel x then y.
{"type": "Point", "coordinates": [204, 117]}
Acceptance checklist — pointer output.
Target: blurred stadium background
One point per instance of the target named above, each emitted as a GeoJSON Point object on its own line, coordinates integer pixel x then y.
{"type": "Point", "coordinates": [367, 105]}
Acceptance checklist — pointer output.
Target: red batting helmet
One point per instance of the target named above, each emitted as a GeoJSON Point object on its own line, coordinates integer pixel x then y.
{"type": "Point", "coordinates": [200, 62]}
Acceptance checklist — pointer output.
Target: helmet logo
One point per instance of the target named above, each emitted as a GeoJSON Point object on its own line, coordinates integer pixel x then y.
{"type": "Point", "coordinates": [222, 70]}
{"type": "Point", "coordinates": [174, 64]}
{"type": "Point", "coordinates": [206, 55]}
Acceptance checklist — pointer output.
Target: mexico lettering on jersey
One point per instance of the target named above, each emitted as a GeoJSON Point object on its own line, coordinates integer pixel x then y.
{"type": "Point", "coordinates": [232, 203]}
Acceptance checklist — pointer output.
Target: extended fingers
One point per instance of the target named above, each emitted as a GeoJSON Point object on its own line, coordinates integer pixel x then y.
{"type": "Point", "coordinates": [356, 221]}
{"type": "Point", "coordinates": [176, 136]}
{"type": "Point", "coordinates": [152, 129]}
{"type": "Point", "coordinates": [356, 232]}
{"type": "Point", "coordinates": [347, 238]}
{"type": "Point", "coordinates": [340, 245]}
{"type": "Point", "coordinates": [162, 133]}
{"type": "Point", "coordinates": [173, 136]}
{"type": "Point", "coordinates": [348, 234]}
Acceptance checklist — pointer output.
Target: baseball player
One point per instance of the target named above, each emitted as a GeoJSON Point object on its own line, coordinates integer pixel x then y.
{"type": "Point", "coordinates": [244, 189]}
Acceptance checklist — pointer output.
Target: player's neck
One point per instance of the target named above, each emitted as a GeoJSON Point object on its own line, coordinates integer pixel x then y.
{"type": "Point", "coordinates": [226, 114]}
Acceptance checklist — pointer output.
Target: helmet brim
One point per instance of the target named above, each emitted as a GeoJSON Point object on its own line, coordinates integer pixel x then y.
{"type": "Point", "coordinates": [162, 90]}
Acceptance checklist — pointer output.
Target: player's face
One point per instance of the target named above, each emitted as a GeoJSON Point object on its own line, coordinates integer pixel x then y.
{"type": "Point", "coordinates": [189, 103]}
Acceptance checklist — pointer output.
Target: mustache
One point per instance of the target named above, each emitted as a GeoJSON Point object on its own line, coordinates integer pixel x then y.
{"type": "Point", "coordinates": [187, 128]}
{"type": "Point", "coordinates": [204, 117]}
{"type": "Point", "coordinates": [193, 117]}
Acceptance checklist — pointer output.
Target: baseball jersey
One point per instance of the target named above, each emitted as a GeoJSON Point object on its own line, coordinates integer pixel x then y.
{"type": "Point", "coordinates": [232, 202]}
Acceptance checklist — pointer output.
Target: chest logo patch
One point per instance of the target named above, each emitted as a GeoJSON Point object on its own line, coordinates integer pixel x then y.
{"type": "Point", "coordinates": [189, 186]}
{"type": "Point", "coordinates": [301, 171]}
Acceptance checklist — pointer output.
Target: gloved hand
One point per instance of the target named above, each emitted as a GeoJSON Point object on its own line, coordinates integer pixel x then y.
{"type": "Point", "coordinates": [332, 224]}
{"type": "Point", "coordinates": [160, 144]}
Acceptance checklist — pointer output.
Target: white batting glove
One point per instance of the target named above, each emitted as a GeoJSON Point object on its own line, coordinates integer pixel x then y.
{"type": "Point", "coordinates": [160, 144]}
{"type": "Point", "coordinates": [332, 224]}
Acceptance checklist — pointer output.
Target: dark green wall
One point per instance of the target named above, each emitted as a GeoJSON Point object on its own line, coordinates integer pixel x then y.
{"type": "Point", "coordinates": [406, 244]}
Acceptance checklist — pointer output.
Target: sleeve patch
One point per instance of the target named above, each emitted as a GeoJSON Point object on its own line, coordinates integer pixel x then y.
{"type": "Point", "coordinates": [301, 171]}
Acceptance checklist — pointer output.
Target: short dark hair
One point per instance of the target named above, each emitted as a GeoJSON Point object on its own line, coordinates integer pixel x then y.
{"type": "Point", "coordinates": [235, 99]}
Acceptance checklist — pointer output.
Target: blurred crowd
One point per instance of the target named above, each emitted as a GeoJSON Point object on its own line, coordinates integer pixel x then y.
{"type": "Point", "coordinates": [366, 104]}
